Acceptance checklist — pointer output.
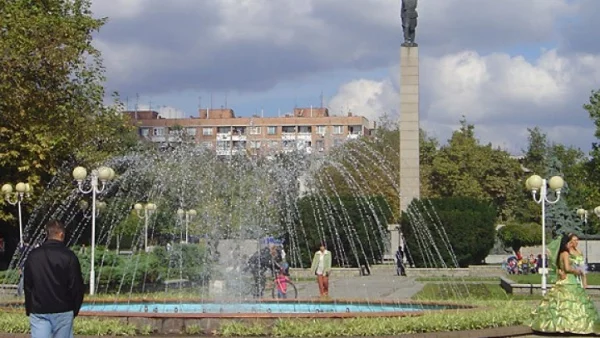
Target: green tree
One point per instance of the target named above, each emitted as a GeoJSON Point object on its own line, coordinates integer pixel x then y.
{"type": "Point", "coordinates": [573, 168]}
{"type": "Point", "coordinates": [517, 235]}
{"type": "Point", "coordinates": [537, 151]}
{"type": "Point", "coordinates": [466, 168]}
{"type": "Point", "coordinates": [449, 231]}
{"type": "Point", "coordinates": [51, 94]}
{"type": "Point", "coordinates": [560, 218]}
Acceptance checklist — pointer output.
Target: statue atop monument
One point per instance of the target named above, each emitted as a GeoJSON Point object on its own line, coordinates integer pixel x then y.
{"type": "Point", "coordinates": [409, 15]}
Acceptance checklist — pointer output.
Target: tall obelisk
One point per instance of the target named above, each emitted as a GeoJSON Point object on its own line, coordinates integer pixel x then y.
{"type": "Point", "coordinates": [410, 183]}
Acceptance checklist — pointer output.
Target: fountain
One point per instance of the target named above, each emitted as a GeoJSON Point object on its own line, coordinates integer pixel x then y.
{"type": "Point", "coordinates": [217, 264]}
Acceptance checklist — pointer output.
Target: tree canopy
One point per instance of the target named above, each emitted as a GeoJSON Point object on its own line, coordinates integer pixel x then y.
{"type": "Point", "coordinates": [51, 91]}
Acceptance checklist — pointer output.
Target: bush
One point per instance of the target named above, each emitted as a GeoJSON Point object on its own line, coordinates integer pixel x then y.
{"type": "Point", "coordinates": [142, 270]}
{"type": "Point", "coordinates": [354, 228]}
{"type": "Point", "coordinates": [516, 235]}
{"type": "Point", "coordinates": [465, 224]}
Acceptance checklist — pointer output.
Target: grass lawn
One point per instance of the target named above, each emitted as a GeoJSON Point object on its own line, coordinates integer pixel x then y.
{"type": "Point", "coordinates": [460, 291]}
{"type": "Point", "coordinates": [456, 279]}
{"type": "Point", "coordinates": [592, 279]}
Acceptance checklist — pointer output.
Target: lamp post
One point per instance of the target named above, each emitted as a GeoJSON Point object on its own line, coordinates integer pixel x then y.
{"type": "Point", "coordinates": [22, 191]}
{"type": "Point", "coordinates": [98, 179]}
{"type": "Point", "coordinates": [149, 208]}
{"type": "Point", "coordinates": [189, 215]}
{"type": "Point", "coordinates": [535, 183]}
{"type": "Point", "coordinates": [83, 205]}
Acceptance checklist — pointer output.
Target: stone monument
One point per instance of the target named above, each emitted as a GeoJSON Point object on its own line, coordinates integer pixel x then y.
{"type": "Point", "coordinates": [409, 15]}
{"type": "Point", "coordinates": [410, 183]}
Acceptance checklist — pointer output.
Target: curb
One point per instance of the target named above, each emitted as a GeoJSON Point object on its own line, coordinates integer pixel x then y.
{"type": "Point", "coordinates": [509, 331]}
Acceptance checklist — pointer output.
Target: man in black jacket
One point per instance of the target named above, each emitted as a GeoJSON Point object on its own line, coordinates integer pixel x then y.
{"type": "Point", "coordinates": [53, 286]}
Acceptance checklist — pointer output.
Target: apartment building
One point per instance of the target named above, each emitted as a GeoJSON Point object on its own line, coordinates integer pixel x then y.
{"type": "Point", "coordinates": [306, 129]}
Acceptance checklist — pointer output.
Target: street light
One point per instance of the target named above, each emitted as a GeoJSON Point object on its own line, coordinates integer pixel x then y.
{"type": "Point", "coordinates": [22, 190]}
{"type": "Point", "coordinates": [83, 205]}
{"type": "Point", "coordinates": [149, 208]}
{"type": "Point", "coordinates": [535, 183]}
{"type": "Point", "coordinates": [102, 174]}
{"type": "Point", "coordinates": [189, 215]}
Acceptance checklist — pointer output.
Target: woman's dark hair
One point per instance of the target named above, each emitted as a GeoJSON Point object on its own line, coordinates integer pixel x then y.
{"type": "Point", "coordinates": [563, 245]}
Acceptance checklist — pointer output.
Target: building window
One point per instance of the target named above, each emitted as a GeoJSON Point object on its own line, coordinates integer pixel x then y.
{"type": "Point", "coordinates": [288, 129]}
{"type": "Point", "coordinates": [321, 130]}
{"type": "Point", "coordinates": [159, 131]}
{"type": "Point", "coordinates": [207, 131]}
{"type": "Point", "coordinates": [255, 131]}
{"type": "Point", "coordinates": [207, 145]}
{"type": "Point", "coordinates": [320, 145]}
{"type": "Point", "coordinates": [191, 131]}
{"type": "Point", "coordinates": [355, 130]}
{"type": "Point", "coordinates": [223, 130]}
{"type": "Point", "coordinates": [338, 130]}
{"type": "Point", "coordinates": [144, 132]}
{"type": "Point", "coordinates": [337, 142]}
{"type": "Point", "coordinates": [271, 130]}
{"type": "Point", "coordinates": [274, 144]}
{"type": "Point", "coordinates": [255, 144]}
{"type": "Point", "coordinates": [305, 129]}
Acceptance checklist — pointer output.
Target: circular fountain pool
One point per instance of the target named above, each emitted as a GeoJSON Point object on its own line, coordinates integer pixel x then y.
{"type": "Point", "coordinates": [295, 308]}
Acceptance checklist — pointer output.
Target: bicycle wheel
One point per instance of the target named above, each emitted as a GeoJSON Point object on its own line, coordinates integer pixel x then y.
{"type": "Point", "coordinates": [291, 291]}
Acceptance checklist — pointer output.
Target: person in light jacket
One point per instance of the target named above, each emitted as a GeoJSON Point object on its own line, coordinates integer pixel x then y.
{"type": "Point", "coordinates": [321, 266]}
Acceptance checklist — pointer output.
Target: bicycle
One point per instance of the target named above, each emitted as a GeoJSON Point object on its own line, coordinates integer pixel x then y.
{"type": "Point", "coordinates": [291, 290]}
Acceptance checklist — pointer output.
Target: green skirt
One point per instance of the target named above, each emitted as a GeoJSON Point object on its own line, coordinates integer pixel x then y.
{"type": "Point", "coordinates": [566, 308]}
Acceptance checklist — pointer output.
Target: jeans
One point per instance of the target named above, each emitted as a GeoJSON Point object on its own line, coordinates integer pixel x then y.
{"type": "Point", "coordinates": [55, 325]}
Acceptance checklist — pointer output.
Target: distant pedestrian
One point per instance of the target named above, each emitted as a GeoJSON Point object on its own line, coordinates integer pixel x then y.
{"type": "Point", "coordinates": [53, 286]}
{"type": "Point", "coordinates": [400, 270]}
{"type": "Point", "coordinates": [281, 282]}
{"type": "Point", "coordinates": [321, 267]}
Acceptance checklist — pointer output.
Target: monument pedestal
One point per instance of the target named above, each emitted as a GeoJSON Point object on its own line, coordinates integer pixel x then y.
{"type": "Point", "coordinates": [410, 183]}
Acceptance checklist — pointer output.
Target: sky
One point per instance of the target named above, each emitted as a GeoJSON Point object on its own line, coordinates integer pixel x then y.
{"type": "Point", "coordinates": [504, 65]}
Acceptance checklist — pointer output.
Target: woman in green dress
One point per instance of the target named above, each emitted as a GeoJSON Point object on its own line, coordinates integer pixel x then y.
{"type": "Point", "coordinates": [567, 307]}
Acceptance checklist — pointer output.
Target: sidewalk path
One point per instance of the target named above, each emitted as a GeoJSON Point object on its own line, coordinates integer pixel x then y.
{"type": "Point", "coordinates": [379, 286]}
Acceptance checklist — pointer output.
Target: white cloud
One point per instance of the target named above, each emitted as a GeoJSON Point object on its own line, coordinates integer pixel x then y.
{"type": "Point", "coordinates": [156, 46]}
{"type": "Point", "coordinates": [366, 98]}
{"type": "Point", "coordinates": [500, 94]}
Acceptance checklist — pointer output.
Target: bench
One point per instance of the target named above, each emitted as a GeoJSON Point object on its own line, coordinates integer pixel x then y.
{"type": "Point", "coordinates": [176, 283]}
{"type": "Point", "coordinates": [510, 287]}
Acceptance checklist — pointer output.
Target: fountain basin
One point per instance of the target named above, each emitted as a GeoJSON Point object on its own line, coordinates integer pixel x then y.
{"type": "Point", "coordinates": [176, 316]}
{"type": "Point", "coordinates": [262, 309]}
{"type": "Point", "coordinates": [275, 308]}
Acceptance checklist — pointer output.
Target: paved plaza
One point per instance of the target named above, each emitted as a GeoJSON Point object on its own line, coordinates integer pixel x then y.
{"type": "Point", "coordinates": [378, 286]}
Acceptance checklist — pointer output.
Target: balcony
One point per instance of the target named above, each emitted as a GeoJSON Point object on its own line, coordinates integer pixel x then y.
{"type": "Point", "coordinates": [165, 138]}
{"type": "Point", "coordinates": [224, 136]}
{"type": "Point", "coordinates": [288, 136]}
{"type": "Point", "coordinates": [305, 136]}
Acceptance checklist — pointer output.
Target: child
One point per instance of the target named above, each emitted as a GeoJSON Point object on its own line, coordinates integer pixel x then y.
{"type": "Point", "coordinates": [281, 284]}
